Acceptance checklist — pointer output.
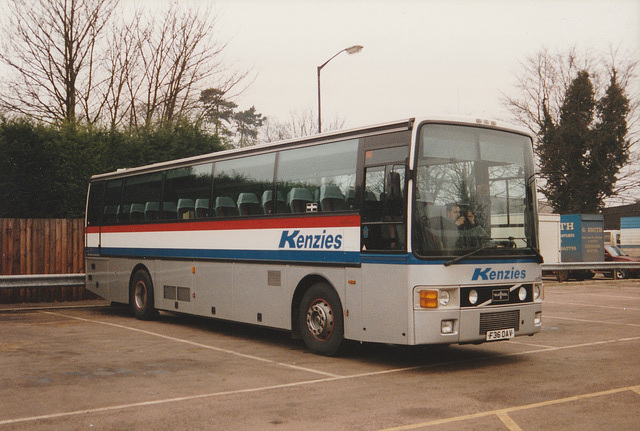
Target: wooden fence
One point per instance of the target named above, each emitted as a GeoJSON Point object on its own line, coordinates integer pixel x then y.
{"type": "Point", "coordinates": [42, 246]}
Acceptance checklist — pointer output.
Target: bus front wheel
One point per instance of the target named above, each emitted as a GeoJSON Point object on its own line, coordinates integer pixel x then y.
{"type": "Point", "coordinates": [321, 320]}
{"type": "Point", "coordinates": [141, 296]}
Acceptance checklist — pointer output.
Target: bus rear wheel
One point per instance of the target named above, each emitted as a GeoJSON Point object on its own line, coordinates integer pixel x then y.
{"type": "Point", "coordinates": [321, 320]}
{"type": "Point", "coordinates": [141, 296]}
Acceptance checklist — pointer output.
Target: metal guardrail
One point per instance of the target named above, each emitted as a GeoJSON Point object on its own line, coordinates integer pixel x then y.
{"type": "Point", "coordinates": [596, 266]}
{"type": "Point", "coordinates": [41, 281]}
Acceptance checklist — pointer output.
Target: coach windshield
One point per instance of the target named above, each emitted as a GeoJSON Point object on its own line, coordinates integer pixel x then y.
{"type": "Point", "coordinates": [474, 194]}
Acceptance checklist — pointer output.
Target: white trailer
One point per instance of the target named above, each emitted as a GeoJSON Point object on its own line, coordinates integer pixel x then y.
{"type": "Point", "coordinates": [550, 237]}
{"type": "Point", "coordinates": [630, 235]}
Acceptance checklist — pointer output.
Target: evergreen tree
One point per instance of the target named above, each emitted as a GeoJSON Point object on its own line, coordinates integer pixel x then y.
{"type": "Point", "coordinates": [26, 167]}
{"type": "Point", "coordinates": [552, 163]}
{"type": "Point", "coordinates": [45, 169]}
{"type": "Point", "coordinates": [581, 155]}
{"type": "Point", "coordinates": [611, 148]}
{"type": "Point", "coordinates": [247, 124]}
{"type": "Point", "coordinates": [576, 115]}
{"type": "Point", "coordinates": [217, 111]}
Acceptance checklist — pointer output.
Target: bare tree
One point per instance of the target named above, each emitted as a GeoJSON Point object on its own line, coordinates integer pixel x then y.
{"type": "Point", "coordinates": [273, 130]}
{"type": "Point", "coordinates": [300, 123]}
{"type": "Point", "coordinates": [179, 56]}
{"type": "Point", "coordinates": [543, 80]}
{"type": "Point", "coordinates": [542, 83]}
{"type": "Point", "coordinates": [68, 63]}
{"type": "Point", "coordinates": [121, 59]}
{"type": "Point", "coordinates": [49, 46]}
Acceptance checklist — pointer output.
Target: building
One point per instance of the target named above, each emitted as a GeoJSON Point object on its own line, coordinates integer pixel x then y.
{"type": "Point", "coordinates": [612, 215]}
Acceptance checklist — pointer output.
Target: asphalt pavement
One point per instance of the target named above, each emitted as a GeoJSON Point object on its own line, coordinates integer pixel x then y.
{"type": "Point", "coordinates": [89, 366]}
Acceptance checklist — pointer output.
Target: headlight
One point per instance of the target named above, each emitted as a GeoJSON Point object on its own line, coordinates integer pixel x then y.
{"type": "Point", "coordinates": [447, 327]}
{"type": "Point", "coordinates": [473, 297]}
{"type": "Point", "coordinates": [522, 293]}
{"type": "Point", "coordinates": [537, 320]}
{"type": "Point", "coordinates": [536, 291]}
{"type": "Point", "coordinates": [445, 297]}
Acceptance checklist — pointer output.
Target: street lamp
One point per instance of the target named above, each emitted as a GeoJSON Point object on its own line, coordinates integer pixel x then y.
{"type": "Point", "coordinates": [350, 50]}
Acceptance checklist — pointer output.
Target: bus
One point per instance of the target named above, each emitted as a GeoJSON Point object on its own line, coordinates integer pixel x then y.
{"type": "Point", "coordinates": [420, 231]}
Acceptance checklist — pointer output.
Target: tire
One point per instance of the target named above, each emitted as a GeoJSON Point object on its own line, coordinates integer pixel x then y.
{"type": "Point", "coordinates": [321, 321]}
{"type": "Point", "coordinates": [622, 273]}
{"type": "Point", "coordinates": [141, 296]}
{"type": "Point", "coordinates": [562, 276]}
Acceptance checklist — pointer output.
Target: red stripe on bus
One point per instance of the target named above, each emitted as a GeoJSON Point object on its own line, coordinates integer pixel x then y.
{"type": "Point", "coordinates": [265, 223]}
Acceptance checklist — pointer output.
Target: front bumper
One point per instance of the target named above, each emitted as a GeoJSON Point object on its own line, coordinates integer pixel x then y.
{"type": "Point", "coordinates": [471, 325]}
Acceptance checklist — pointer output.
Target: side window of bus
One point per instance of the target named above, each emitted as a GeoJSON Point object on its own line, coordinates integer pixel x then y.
{"type": "Point", "coordinates": [319, 178]}
{"type": "Point", "coordinates": [383, 214]}
{"type": "Point", "coordinates": [112, 201]}
{"type": "Point", "coordinates": [241, 186]}
{"type": "Point", "coordinates": [94, 207]}
{"type": "Point", "coordinates": [141, 199]}
{"type": "Point", "coordinates": [187, 193]}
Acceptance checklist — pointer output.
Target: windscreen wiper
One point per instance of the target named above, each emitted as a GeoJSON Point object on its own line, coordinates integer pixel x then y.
{"type": "Point", "coordinates": [539, 257]}
{"type": "Point", "coordinates": [457, 259]}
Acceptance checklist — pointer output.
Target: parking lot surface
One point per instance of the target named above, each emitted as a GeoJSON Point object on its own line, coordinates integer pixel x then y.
{"type": "Point", "coordinates": [93, 367]}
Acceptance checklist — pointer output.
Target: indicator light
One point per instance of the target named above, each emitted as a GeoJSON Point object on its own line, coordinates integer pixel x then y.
{"type": "Point", "coordinates": [429, 298]}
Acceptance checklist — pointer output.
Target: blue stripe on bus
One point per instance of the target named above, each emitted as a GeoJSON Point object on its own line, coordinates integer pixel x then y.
{"type": "Point", "coordinates": [296, 256]}
{"type": "Point", "coordinates": [257, 255]}
{"type": "Point", "coordinates": [411, 259]}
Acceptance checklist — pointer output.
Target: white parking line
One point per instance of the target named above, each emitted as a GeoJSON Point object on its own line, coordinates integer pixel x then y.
{"type": "Point", "coordinates": [503, 413]}
{"type": "Point", "coordinates": [310, 382]}
{"type": "Point", "coordinates": [193, 343]}
{"type": "Point", "coordinates": [599, 322]}
{"type": "Point", "coordinates": [616, 297]}
{"type": "Point", "coordinates": [591, 305]}
{"type": "Point", "coordinates": [573, 346]}
{"type": "Point", "coordinates": [509, 423]}
{"type": "Point", "coordinates": [520, 343]}
{"type": "Point", "coordinates": [157, 402]}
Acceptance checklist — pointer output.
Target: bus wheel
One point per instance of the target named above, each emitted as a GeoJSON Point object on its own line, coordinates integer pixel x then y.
{"type": "Point", "coordinates": [321, 320]}
{"type": "Point", "coordinates": [141, 296]}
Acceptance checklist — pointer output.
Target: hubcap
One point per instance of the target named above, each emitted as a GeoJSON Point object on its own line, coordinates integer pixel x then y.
{"type": "Point", "coordinates": [140, 295]}
{"type": "Point", "coordinates": [320, 319]}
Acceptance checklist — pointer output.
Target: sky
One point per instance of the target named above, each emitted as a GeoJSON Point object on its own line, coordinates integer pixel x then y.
{"type": "Point", "coordinates": [420, 57]}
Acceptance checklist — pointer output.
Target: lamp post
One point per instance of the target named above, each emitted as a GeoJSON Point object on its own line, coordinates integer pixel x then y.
{"type": "Point", "coordinates": [350, 50]}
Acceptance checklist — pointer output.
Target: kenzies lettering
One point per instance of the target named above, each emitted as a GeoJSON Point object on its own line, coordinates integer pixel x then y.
{"type": "Point", "coordinates": [318, 242]}
{"type": "Point", "coordinates": [491, 274]}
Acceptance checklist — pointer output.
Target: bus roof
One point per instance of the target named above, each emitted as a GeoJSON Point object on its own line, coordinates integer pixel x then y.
{"type": "Point", "coordinates": [400, 125]}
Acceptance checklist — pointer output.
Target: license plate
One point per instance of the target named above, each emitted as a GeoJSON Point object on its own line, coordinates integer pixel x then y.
{"type": "Point", "coordinates": [501, 334]}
